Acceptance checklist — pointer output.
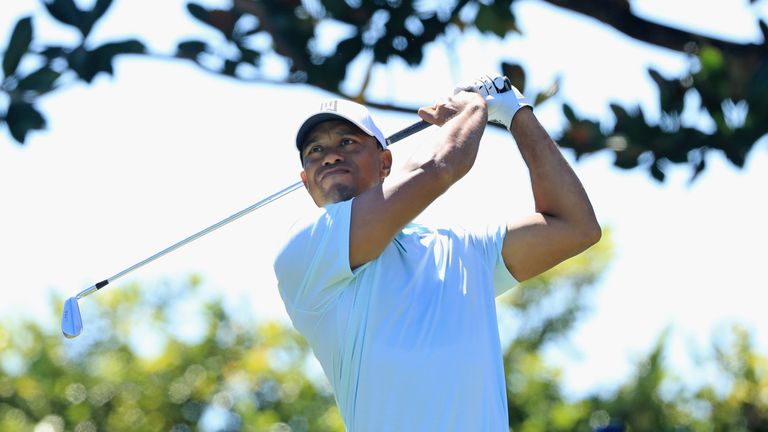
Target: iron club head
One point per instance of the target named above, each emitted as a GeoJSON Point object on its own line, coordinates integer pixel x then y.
{"type": "Point", "coordinates": [71, 322]}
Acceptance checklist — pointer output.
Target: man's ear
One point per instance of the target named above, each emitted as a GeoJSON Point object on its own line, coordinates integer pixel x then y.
{"type": "Point", "coordinates": [304, 179]}
{"type": "Point", "coordinates": [385, 156]}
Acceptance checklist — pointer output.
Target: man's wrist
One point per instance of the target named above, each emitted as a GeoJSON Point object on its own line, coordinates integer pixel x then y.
{"type": "Point", "coordinates": [523, 114]}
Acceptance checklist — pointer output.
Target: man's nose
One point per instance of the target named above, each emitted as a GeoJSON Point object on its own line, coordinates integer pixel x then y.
{"type": "Point", "coordinates": [332, 156]}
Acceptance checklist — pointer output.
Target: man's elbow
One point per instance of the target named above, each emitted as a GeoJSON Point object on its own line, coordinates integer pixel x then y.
{"type": "Point", "coordinates": [581, 235]}
{"type": "Point", "coordinates": [589, 234]}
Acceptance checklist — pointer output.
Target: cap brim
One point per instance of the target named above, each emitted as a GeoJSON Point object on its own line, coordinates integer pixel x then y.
{"type": "Point", "coordinates": [313, 121]}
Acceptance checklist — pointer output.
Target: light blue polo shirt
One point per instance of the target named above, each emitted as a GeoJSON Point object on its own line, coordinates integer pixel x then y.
{"type": "Point", "coordinates": [409, 341]}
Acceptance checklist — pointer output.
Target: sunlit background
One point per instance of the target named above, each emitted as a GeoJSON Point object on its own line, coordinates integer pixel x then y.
{"type": "Point", "coordinates": [133, 163]}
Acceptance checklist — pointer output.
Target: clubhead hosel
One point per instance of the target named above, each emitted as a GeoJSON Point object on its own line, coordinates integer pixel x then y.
{"type": "Point", "coordinates": [91, 289]}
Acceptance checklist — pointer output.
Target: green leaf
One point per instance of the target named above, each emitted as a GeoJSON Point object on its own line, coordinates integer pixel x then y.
{"type": "Point", "coordinates": [88, 64]}
{"type": "Point", "coordinates": [229, 68]}
{"type": "Point", "coordinates": [21, 118]}
{"type": "Point", "coordinates": [626, 159]}
{"type": "Point", "coordinates": [486, 21]}
{"type": "Point", "coordinates": [548, 92]}
{"type": "Point", "coordinates": [620, 113]}
{"type": "Point", "coordinates": [41, 80]}
{"type": "Point", "coordinates": [516, 75]}
{"type": "Point", "coordinates": [128, 46]}
{"type": "Point", "coordinates": [346, 51]}
{"type": "Point", "coordinates": [671, 92]}
{"type": "Point", "coordinates": [198, 12]}
{"type": "Point", "coordinates": [224, 21]}
{"type": "Point", "coordinates": [88, 19]}
{"type": "Point", "coordinates": [735, 152]}
{"type": "Point", "coordinates": [569, 114]}
{"type": "Point", "coordinates": [65, 11]}
{"type": "Point", "coordinates": [17, 46]}
{"type": "Point", "coordinates": [105, 54]}
{"type": "Point", "coordinates": [656, 171]}
{"type": "Point", "coordinates": [349, 48]}
{"type": "Point", "coordinates": [100, 9]}
{"type": "Point", "coordinates": [496, 18]}
{"type": "Point", "coordinates": [54, 52]}
{"type": "Point", "coordinates": [249, 56]}
{"type": "Point", "coordinates": [221, 19]}
{"type": "Point", "coordinates": [381, 50]}
{"type": "Point", "coordinates": [191, 49]}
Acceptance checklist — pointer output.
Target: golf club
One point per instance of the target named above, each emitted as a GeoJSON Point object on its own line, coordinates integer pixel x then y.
{"type": "Point", "coordinates": [71, 321]}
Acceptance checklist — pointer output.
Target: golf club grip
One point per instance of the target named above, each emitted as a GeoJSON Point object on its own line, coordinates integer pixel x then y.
{"type": "Point", "coordinates": [408, 131]}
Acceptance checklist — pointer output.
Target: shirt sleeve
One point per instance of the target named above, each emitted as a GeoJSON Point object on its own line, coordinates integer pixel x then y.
{"type": "Point", "coordinates": [313, 263]}
{"type": "Point", "coordinates": [490, 242]}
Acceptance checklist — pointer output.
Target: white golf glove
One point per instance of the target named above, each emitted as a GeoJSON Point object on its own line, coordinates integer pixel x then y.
{"type": "Point", "coordinates": [503, 104]}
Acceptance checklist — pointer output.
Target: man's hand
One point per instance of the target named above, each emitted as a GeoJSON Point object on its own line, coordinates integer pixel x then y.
{"type": "Point", "coordinates": [444, 110]}
{"type": "Point", "coordinates": [503, 99]}
{"type": "Point", "coordinates": [486, 85]}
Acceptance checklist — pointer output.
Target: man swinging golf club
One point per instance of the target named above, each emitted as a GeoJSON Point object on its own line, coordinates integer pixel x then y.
{"type": "Point", "coordinates": [401, 316]}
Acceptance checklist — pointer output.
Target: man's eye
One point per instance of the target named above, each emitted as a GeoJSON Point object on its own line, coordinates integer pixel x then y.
{"type": "Point", "coordinates": [347, 141]}
{"type": "Point", "coordinates": [315, 149]}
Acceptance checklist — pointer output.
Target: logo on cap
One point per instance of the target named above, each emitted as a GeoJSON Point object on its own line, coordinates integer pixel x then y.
{"type": "Point", "coordinates": [329, 105]}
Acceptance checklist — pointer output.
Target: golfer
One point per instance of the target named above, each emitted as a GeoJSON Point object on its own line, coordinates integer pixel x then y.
{"type": "Point", "coordinates": [401, 316]}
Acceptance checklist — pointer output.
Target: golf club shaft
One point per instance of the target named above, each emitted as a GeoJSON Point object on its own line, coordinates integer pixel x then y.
{"type": "Point", "coordinates": [190, 239]}
{"type": "Point", "coordinates": [397, 136]}
{"type": "Point", "coordinates": [408, 131]}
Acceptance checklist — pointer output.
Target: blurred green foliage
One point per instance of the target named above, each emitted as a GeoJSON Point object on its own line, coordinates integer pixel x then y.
{"type": "Point", "coordinates": [228, 377]}
{"type": "Point", "coordinates": [166, 359]}
{"type": "Point", "coordinates": [726, 82]}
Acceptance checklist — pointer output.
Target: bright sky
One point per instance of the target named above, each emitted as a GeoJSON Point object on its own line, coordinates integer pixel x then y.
{"type": "Point", "coordinates": [131, 165]}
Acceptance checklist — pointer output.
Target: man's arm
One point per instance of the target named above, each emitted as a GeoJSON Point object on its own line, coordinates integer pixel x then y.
{"type": "Point", "coordinates": [380, 213]}
{"type": "Point", "coordinates": [564, 223]}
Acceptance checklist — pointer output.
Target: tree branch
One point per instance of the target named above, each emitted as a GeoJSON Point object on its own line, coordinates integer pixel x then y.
{"type": "Point", "coordinates": [618, 14]}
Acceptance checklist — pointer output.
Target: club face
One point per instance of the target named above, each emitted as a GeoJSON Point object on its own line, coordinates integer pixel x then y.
{"type": "Point", "coordinates": [71, 322]}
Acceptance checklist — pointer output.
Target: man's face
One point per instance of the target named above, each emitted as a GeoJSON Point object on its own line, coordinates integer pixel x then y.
{"type": "Point", "coordinates": [341, 162]}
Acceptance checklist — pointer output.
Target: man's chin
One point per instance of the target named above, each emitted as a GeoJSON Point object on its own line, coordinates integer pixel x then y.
{"type": "Point", "coordinates": [338, 193]}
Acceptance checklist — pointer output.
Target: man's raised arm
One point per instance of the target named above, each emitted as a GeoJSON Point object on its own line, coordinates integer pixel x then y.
{"type": "Point", "coordinates": [564, 223]}
{"type": "Point", "coordinates": [379, 213]}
